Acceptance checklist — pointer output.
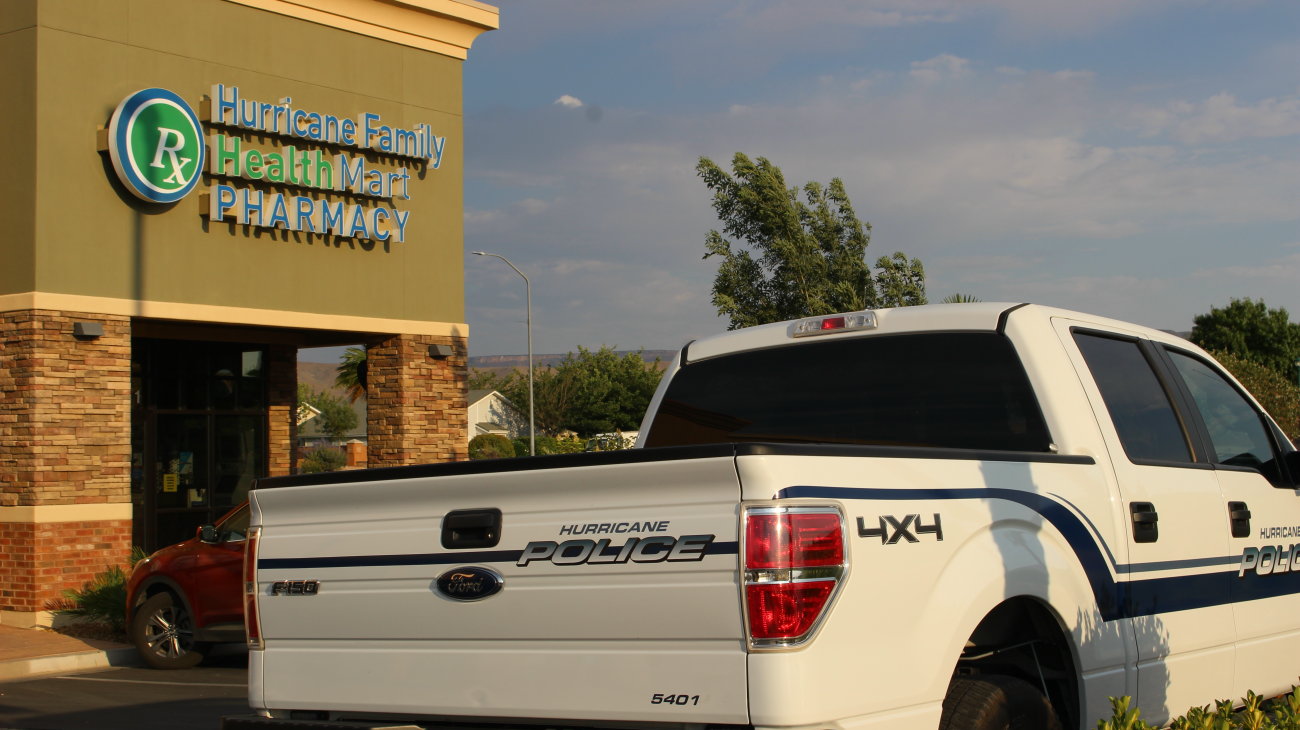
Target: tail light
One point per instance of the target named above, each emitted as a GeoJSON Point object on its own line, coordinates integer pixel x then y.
{"type": "Point", "coordinates": [794, 563]}
{"type": "Point", "coordinates": [252, 623]}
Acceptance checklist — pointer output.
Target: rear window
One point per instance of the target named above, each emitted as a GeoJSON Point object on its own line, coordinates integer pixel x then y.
{"type": "Point", "coordinates": [963, 390]}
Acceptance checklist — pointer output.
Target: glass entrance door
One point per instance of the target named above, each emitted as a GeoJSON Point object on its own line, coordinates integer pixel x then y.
{"type": "Point", "coordinates": [199, 434]}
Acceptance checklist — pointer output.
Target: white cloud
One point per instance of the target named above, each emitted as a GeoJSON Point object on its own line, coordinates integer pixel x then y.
{"type": "Point", "coordinates": [1069, 17]}
{"type": "Point", "coordinates": [941, 67]}
{"type": "Point", "coordinates": [1221, 118]}
{"type": "Point", "coordinates": [564, 267]}
{"type": "Point", "coordinates": [786, 18]}
{"type": "Point", "coordinates": [533, 206]}
{"type": "Point", "coordinates": [1285, 269]}
{"type": "Point", "coordinates": [477, 217]}
{"type": "Point", "coordinates": [571, 102]}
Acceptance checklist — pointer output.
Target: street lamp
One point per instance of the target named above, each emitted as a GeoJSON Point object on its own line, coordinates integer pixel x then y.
{"type": "Point", "coordinates": [528, 291]}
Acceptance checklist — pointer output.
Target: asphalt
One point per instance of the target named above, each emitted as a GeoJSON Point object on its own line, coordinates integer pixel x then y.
{"type": "Point", "coordinates": [27, 653]}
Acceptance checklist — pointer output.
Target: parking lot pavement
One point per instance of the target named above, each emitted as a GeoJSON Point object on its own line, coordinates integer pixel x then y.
{"type": "Point", "coordinates": [129, 698]}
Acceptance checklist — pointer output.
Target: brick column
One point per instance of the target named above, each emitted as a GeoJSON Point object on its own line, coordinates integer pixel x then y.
{"type": "Point", "coordinates": [65, 447]}
{"type": "Point", "coordinates": [415, 404]}
{"type": "Point", "coordinates": [282, 405]}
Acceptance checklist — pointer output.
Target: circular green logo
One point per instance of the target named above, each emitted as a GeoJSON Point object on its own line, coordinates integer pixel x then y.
{"type": "Point", "coordinates": [156, 145]}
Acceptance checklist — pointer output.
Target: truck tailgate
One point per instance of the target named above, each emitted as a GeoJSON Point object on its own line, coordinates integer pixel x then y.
{"type": "Point", "coordinates": [619, 599]}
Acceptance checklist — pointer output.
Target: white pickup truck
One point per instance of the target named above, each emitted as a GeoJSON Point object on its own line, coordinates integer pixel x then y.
{"type": "Point", "coordinates": [957, 516]}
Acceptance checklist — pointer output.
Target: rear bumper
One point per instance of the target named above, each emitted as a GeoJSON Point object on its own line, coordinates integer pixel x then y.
{"type": "Point", "coordinates": [257, 722]}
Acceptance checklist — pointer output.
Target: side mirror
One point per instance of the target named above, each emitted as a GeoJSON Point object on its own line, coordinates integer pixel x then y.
{"type": "Point", "coordinates": [209, 534]}
{"type": "Point", "coordinates": [1292, 461]}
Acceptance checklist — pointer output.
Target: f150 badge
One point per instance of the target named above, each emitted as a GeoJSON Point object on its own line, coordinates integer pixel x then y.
{"type": "Point", "coordinates": [295, 588]}
{"type": "Point", "coordinates": [892, 529]}
{"type": "Point", "coordinates": [469, 584]}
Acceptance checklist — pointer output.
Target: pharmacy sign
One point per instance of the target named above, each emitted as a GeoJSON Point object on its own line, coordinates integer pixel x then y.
{"type": "Point", "coordinates": [156, 144]}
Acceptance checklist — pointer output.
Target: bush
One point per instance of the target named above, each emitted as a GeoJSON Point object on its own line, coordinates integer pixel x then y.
{"type": "Point", "coordinates": [1280, 396]}
{"type": "Point", "coordinates": [609, 442]}
{"type": "Point", "coordinates": [101, 599]}
{"type": "Point", "coordinates": [1281, 713]}
{"type": "Point", "coordinates": [550, 445]}
{"type": "Point", "coordinates": [491, 446]}
{"type": "Point", "coordinates": [323, 459]}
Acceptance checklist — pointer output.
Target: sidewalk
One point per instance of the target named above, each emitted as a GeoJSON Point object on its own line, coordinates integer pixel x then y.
{"type": "Point", "coordinates": [28, 653]}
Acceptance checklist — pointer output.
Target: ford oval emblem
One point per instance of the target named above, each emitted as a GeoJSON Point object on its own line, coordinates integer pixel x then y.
{"type": "Point", "coordinates": [469, 584]}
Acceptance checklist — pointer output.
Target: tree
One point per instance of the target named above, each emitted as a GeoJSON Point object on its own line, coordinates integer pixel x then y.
{"type": "Point", "coordinates": [808, 257]}
{"type": "Point", "coordinates": [1280, 396]}
{"type": "Point", "coordinates": [901, 280]}
{"type": "Point", "coordinates": [351, 373]}
{"type": "Point", "coordinates": [960, 298]}
{"type": "Point", "coordinates": [588, 393]}
{"type": "Point", "coordinates": [484, 380]}
{"type": "Point", "coordinates": [323, 459]}
{"type": "Point", "coordinates": [1250, 330]}
{"type": "Point", "coordinates": [336, 417]}
{"type": "Point", "coordinates": [491, 446]}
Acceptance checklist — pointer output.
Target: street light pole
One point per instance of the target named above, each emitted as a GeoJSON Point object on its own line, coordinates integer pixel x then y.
{"type": "Point", "coordinates": [528, 291]}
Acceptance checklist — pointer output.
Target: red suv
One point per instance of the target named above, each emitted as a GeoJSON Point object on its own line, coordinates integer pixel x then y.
{"type": "Point", "coordinates": [184, 598]}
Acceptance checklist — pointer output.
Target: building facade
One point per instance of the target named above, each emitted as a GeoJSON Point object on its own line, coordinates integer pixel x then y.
{"type": "Point", "coordinates": [194, 190]}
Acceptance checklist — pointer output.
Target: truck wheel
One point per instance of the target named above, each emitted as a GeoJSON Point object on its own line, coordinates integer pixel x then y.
{"type": "Point", "coordinates": [163, 633]}
{"type": "Point", "coordinates": [996, 702]}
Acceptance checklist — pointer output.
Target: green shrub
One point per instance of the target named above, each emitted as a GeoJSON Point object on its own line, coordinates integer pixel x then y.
{"type": "Point", "coordinates": [101, 599]}
{"type": "Point", "coordinates": [1256, 713]}
{"type": "Point", "coordinates": [323, 459]}
{"type": "Point", "coordinates": [1280, 396]}
{"type": "Point", "coordinates": [491, 446]}
{"type": "Point", "coordinates": [549, 445]}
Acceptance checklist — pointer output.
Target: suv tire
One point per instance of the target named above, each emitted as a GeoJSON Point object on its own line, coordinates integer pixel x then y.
{"type": "Point", "coordinates": [163, 633]}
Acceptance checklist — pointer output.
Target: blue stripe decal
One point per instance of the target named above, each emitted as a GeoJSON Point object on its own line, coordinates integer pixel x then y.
{"type": "Point", "coordinates": [1115, 599]}
{"type": "Point", "coordinates": [1233, 560]}
{"type": "Point", "coordinates": [368, 561]}
{"type": "Point", "coordinates": [452, 558]}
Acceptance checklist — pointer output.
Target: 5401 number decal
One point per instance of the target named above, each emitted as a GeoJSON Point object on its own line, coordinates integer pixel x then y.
{"type": "Point", "coordinates": [679, 700]}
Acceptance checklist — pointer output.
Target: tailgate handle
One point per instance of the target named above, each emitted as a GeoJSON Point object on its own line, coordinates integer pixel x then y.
{"type": "Point", "coordinates": [471, 528]}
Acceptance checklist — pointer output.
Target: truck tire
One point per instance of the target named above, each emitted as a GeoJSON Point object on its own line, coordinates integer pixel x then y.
{"type": "Point", "coordinates": [163, 634]}
{"type": "Point", "coordinates": [996, 702]}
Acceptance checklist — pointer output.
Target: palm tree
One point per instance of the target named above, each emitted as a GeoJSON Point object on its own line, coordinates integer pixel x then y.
{"type": "Point", "coordinates": [351, 373]}
{"type": "Point", "coordinates": [960, 299]}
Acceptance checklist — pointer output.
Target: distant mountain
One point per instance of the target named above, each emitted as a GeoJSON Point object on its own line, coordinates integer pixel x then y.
{"type": "Point", "coordinates": [320, 376]}
{"type": "Point", "coordinates": [505, 363]}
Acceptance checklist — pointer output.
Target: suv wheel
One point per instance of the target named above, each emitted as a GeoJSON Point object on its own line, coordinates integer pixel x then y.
{"type": "Point", "coordinates": [163, 633]}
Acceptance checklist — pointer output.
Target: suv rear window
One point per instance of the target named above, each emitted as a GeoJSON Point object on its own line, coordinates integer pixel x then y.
{"type": "Point", "coordinates": [964, 390]}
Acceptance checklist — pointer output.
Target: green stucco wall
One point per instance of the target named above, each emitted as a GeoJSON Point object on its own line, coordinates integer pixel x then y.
{"type": "Point", "coordinates": [91, 237]}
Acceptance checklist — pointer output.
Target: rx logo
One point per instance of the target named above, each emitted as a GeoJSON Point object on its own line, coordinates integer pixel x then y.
{"type": "Point", "coordinates": [156, 145]}
{"type": "Point", "coordinates": [892, 529]}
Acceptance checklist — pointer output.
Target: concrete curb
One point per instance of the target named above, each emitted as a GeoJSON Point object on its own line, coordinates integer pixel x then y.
{"type": "Point", "coordinates": [81, 661]}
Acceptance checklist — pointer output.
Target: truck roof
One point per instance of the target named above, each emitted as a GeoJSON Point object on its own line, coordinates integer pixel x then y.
{"type": "Point", "coordinates": [964, 317]}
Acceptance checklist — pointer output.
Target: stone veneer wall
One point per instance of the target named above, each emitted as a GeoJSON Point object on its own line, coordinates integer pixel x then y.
{"type": "Point", "coordinates": [65, 440]}
{"type": "Point", "coordinates": [282, 409]}
{"type": "Point", "coordinates": [416, 407]}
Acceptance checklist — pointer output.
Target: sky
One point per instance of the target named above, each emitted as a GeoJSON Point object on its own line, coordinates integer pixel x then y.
{"type": "Point", "coordinates": [1138, 159]}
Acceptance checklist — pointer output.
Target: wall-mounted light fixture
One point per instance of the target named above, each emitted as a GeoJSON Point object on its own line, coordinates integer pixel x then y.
{"type": "Point", "coordinates": [441, 352]}
{"type": "Point", "coordinates": [87, 330]}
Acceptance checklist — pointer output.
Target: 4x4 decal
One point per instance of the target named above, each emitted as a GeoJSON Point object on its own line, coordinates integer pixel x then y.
{"type": "Point", "coordinates": [892, 529]}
